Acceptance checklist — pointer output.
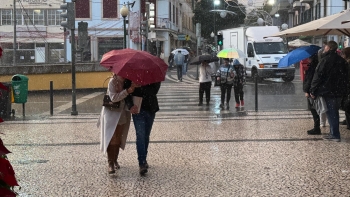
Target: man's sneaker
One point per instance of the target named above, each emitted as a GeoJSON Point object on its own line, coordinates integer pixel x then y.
{"type": "Point", "coordinates": [237, 105]}
{"type": "Point", "coordinates": [143, 169]}
{"type": "Point", "coordinates": [331, 138]}
{"type": "Point", "coordinates": [227, 106]}
{"type": "Point", "coordinates": [242, 103]}
{"type": "Point", "coordinates": [178, 81]}
{"type": "Point", "coordinates": [222, 106]}
{"type": "Point", "coordinates": [314, 131]}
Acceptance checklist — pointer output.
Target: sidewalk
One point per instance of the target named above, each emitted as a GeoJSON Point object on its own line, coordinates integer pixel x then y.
{"type": "Point", "coordinates": [260, 154]}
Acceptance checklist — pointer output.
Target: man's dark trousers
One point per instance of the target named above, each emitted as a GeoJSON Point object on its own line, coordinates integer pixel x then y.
{"type": "Point", "coordinates": [179, 72]}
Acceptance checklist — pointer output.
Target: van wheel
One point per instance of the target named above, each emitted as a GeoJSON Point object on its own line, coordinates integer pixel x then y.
{"type": "Point", "coordinates": [288, 79]}
{"type": "Point", "coordinates": [255, 76]}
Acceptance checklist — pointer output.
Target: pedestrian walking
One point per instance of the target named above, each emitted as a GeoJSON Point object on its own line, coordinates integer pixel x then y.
{"type": "Point", "coordinates": [143, 121]}
{"type": "Point", "coordinates": [309, 74]}
{"type": "Point", "coordinates": [205, 72]}
{"type": "Point", "coordinates": [346, 56]}
{"type": "Point", "coordinates": [179, 60]}
{"type": "Point", "coordinates": [171, 60]}
{"type": "Point", "coordinates": [184, 68]}
{"type": "Point", "coordinates": [225, 75]}
{"type": "Point", "coordinates": [331, 81]}
{"type": "Point", "coordinates": [114, 124]}
{"type": "Point", "coordinates": [239, 80]}
{"type": "Point", "coordinates": [161, 56]}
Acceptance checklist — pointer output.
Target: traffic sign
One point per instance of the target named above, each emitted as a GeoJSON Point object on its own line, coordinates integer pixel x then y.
{"type": "Point", "coordinates": [181, 37]}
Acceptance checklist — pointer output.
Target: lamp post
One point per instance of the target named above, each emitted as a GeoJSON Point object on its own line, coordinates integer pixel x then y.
{"type": "Point", "coordinates": [216, 2]}
{"type": "Point", "coordinates": [124, 11]}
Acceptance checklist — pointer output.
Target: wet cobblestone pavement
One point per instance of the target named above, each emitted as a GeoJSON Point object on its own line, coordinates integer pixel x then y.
{"type": "Point", "coordinates": [259, 154]}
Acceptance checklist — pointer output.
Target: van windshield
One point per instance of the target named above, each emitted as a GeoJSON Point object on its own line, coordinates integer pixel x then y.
{"type": "Point", "coordinates": [270, 48]}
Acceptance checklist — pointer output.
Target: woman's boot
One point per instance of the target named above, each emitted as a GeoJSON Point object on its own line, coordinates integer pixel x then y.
{"type": "Point", "coordinates": [111, 153]}
{"type": "Point", "coordinates": [116, 165]}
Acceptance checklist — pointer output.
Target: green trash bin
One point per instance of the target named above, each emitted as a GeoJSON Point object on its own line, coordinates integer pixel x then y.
{"type": "Point", "coordinates": [20, 88]}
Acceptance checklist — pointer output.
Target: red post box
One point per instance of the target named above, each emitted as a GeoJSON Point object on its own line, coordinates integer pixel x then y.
{"type": "Point", "coordinates": [303, 68]}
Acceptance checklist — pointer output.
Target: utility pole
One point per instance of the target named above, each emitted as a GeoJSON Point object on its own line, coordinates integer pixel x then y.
{"type": "Point", "coordinates": [69, 23]}
{"type": "Point", "coordinates": [14, 33]}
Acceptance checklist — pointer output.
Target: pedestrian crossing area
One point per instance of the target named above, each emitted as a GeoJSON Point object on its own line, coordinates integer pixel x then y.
{"type": "Point", "coordinates": [179, 101]}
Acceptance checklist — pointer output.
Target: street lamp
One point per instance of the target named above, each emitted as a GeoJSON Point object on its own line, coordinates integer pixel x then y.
{"type": "Point", "coordinates": [216, 2]}
{"type": "Point", "coordinates": [124, 12]}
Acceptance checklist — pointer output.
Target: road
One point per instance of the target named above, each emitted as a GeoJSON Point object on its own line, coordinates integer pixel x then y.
{"type": "Point", "coordinates": [176, 99]}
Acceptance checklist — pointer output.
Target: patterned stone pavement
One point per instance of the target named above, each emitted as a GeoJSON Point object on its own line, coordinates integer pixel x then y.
{"type": "Point", "coordinates": [259, 154]}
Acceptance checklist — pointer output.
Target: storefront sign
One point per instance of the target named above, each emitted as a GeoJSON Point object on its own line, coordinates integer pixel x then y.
{"type": "Point", "coordinates": [34, 1]}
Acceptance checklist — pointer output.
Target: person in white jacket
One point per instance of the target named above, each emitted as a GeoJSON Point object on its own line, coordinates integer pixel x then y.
{"type": "Point", "coordinates": [205, 72]}
{"type": "Point", "coordinates": [114, 124]}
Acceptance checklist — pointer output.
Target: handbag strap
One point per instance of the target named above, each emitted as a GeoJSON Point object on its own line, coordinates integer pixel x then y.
{"type": "Point", "coordinates": [103, 85]}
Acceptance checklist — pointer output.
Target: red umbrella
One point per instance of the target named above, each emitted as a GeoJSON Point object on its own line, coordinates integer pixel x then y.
{"type": "Point", "coordinates": [137, 66]}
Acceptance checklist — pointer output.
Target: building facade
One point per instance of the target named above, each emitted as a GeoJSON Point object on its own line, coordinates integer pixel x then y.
{"type": "Point", "coordinates": [39, 36]}
{"type": "Point", "coordinates": [304, 11]}
{"type": "Point", "coordinates": [41, 39]}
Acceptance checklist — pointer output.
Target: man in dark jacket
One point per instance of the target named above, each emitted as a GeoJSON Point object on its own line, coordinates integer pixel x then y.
{"type": "Point", "coordinates": [330, 81]}
{"type": "Point", "coordinates": [143, 121]}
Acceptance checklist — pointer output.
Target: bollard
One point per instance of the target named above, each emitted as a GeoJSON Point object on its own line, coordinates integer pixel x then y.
{"type": "Point", "coordinates": [51, 98]}
{"type": "Point", "coordinates": [23, 109]}
{"type": "Point", "coordinates": [256, 94]}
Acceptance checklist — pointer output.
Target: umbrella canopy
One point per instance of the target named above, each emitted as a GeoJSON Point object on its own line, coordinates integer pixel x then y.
{"type": "Point", "coordinates": [297, 55]}
{"type": "Point", "coordinates": [329, 25]}
{"type": "Point", "coordinates": [200, 58]}
{"type": "Point", "coordinates": [183, 51]}
{"type": "Point", "coordinates": [298, 43]}
{"type": "Point", "coordinates": [137, 66]}
{"type": "Point", "coordinates": [230, 53]}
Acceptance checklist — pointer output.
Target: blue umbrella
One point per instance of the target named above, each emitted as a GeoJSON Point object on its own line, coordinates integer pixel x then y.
{"type": "Point", "coordinates": [297, 55]}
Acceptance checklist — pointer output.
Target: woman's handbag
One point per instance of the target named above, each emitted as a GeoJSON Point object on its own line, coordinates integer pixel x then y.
{"type": "Point", "coordinates": [107, 102]}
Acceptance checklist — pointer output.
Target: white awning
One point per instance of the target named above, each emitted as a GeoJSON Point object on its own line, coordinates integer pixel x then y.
{"type": "Point", "coordinates": [174, 35]}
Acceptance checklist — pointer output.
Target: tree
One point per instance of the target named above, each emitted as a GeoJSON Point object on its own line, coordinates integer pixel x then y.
{"type": "Point", "coordinates": [206, 18]}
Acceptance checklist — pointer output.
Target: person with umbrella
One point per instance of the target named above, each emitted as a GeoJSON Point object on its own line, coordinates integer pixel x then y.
{"type": "Point", "coordinates": [225, 75]}
{"type": "Point", "coordinates": [147, 70]}
{"type": "Point", "coordinates": [114, 124]}
{"type": "Point", "coordinates": [143, 121]}
{"type": "Point", "coordinates": [239, 80]}
{"type": "Point", "coordinates": [179, 60]}
{"type": "Point", "coordinates": [205, 72]}
{"type": "Point", "coordinates": [309, 74]}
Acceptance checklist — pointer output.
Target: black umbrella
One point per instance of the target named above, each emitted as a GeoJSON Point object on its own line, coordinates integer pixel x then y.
{"type": "Point", "coordinates": [199, 59]}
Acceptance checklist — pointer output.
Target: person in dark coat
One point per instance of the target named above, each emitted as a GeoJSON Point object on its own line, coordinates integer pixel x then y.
{"type": "Point", "coordinates": [309, 74]}
{"type": "Point", "coordinates": [143, 121]}
{"type": "Point", "coordinates": [238, 83]}
{"type": "Point", "coordinates": [330, 81]}
{"type": "Point", "coordinates": [346, 56]}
